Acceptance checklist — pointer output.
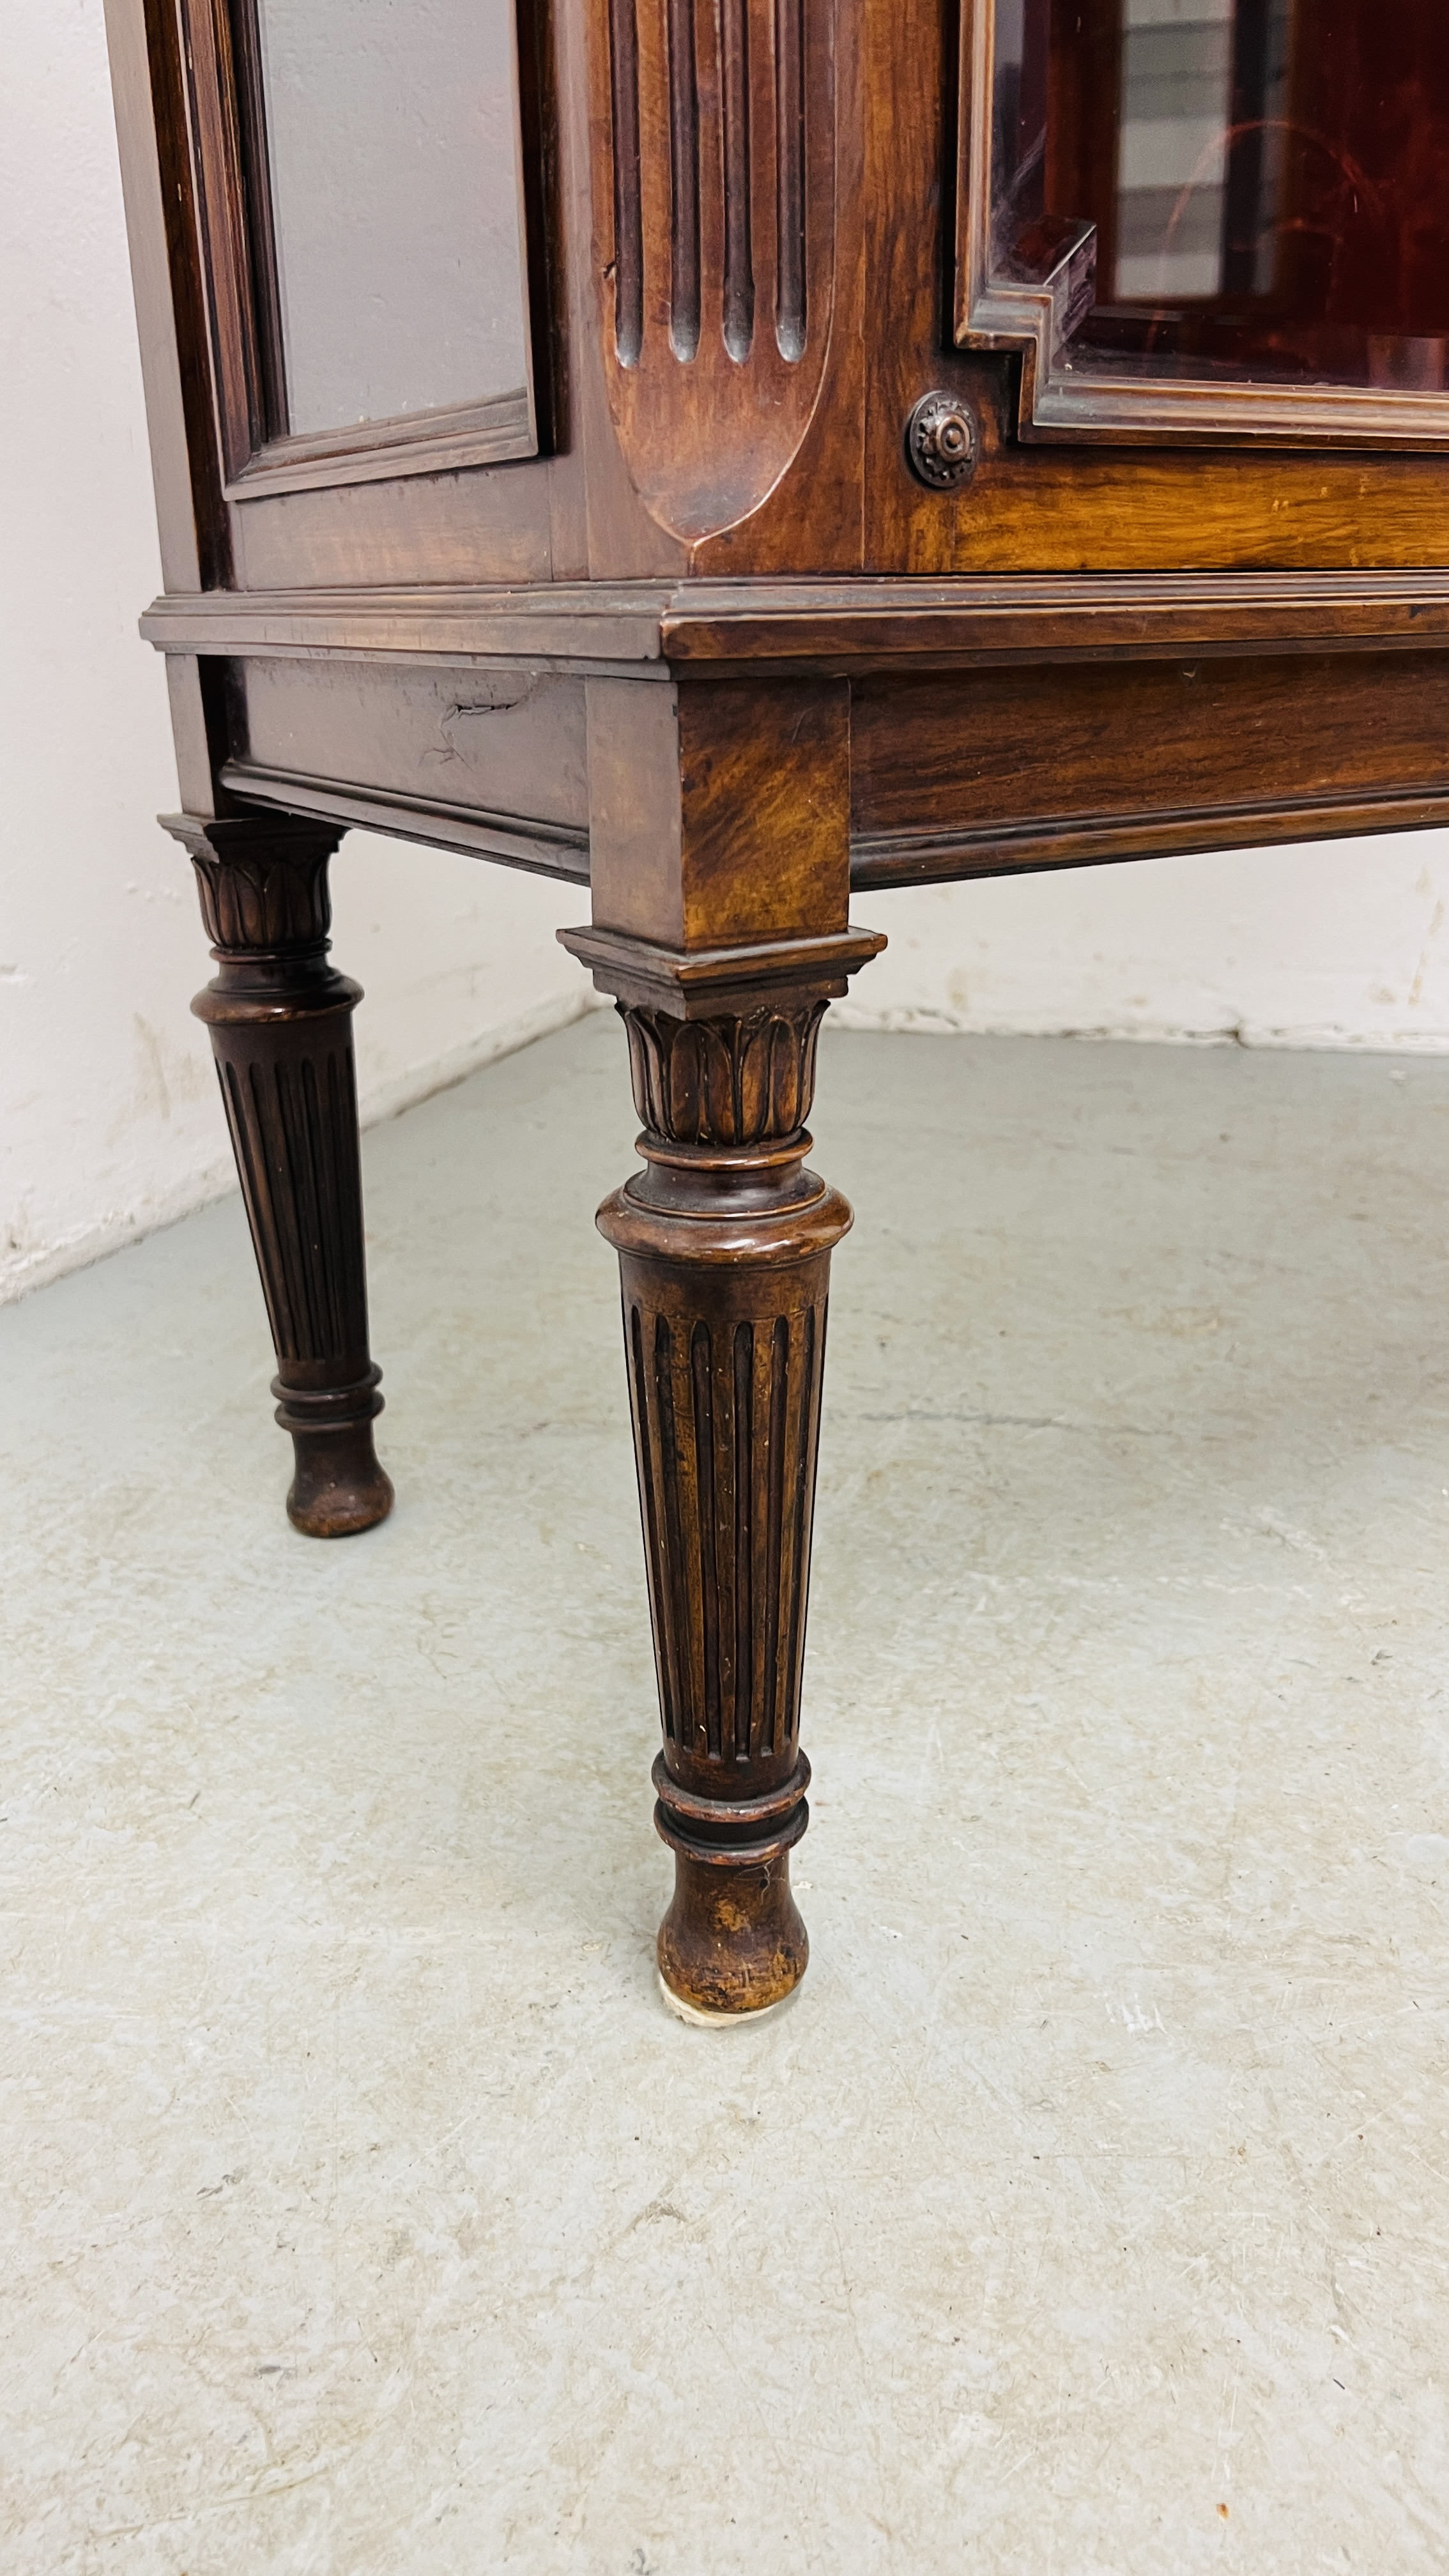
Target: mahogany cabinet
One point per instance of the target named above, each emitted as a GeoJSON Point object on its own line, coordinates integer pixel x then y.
{"type": "Point", "coordinates": [737, 455]}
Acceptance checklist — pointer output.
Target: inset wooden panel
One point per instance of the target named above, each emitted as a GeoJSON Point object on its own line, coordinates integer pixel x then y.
{"type": "Point", "coordinates": [985, 771]}
{"type": "Point", "coordinates": [488, 760]}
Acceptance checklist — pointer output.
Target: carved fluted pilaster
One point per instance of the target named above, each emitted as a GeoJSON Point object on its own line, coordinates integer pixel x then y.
{"type": "Point", "coordinates": [717, 178]}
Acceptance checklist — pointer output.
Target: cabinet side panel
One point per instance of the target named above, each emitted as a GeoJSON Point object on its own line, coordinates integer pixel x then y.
{"type": "Point", "coordinates": [490, 758]}
{"type": "Point", "coordinates": [491, 525]}
{"type": "Point", "coordinates": [1096, 759]}
{"type": "Point", "coordinates": [170, 314]}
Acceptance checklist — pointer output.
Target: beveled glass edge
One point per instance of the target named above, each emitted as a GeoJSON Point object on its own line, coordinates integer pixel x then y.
{"type": "Point", "coordinates": [494, 432]}
{"type": "Point", "coordinates": [1089, 406]}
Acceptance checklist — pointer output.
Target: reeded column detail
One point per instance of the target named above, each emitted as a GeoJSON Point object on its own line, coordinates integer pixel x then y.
{"type": "Point", "coordinates": [726, 1422]}
{"type": "Point", "coordinates": [280, 1018]}
{"type": "Point", "coordinates": [724, 1244]}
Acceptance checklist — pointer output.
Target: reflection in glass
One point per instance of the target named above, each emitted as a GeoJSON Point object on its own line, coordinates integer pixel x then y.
{"type": "Point", "coordinates": [392, 136]}
{"type": "Point", "coordinates": [1244, 189]}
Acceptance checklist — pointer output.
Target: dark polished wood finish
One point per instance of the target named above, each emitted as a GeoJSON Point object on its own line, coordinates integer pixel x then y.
{"type": "Point", "coordinates": [280, 1019]}
{"type": "Point", "coordinates": [717, 652]}
{"type": "Point", "coordinates": [724, 1247]}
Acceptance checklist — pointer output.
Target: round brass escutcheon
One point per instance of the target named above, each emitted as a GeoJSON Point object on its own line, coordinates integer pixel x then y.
{"type": "Point", "coordinates": [941, 441]}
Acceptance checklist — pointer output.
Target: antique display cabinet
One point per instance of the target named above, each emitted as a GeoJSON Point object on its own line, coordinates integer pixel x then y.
{"type": "Point", "coordinates": [738, 455]}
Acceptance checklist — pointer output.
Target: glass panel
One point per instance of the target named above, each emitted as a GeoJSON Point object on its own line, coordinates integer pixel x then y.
{"type": "Point", "coordinates": [1250, 190]}
{"type": "Point", "coordinates": [392, 136]}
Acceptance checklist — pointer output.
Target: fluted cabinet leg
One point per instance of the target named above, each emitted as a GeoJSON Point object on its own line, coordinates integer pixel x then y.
{"type": "Point", "coordinates": [724, 1244]}
{"type": "Point", "coordinates": [280, 1018]}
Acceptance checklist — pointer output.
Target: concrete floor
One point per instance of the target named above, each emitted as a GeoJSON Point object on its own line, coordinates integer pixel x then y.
{"type": "Point", "coordinates": [367, 2215]}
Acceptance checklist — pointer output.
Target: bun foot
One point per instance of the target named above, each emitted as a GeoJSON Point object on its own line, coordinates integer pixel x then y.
{"type": "Point", "coordinates": [338, 1486]}
{"type": "Point", "coordinates": [732, 1942]}
{"type": "Point", "coordinates": [715, 2020]}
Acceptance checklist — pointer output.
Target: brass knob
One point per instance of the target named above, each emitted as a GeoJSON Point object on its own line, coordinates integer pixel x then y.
{"type": "Point", "coordinates": [941, 441]}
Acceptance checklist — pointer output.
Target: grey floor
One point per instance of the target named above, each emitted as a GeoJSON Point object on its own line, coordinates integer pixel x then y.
{"type": "Point", "coordinates": [366, 2214]}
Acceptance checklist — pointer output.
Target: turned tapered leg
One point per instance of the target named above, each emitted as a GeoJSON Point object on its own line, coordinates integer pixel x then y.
{"type": "Point", "coordinates": [281, 1030]}
{"type": "Point", "coordinates": [724, 1244]}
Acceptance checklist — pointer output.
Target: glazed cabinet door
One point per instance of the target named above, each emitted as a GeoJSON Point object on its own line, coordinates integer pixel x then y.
{"type": "Point", "coordinates": [1212, 219]}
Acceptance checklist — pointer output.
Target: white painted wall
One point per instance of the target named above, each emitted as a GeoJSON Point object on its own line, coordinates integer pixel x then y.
{"type": "Point", "coordinates": [1326, 944]}
{"type": "Point", "coordinates": [109, 1117]}
{"type": "Point", "coordinates": [109, 1122]}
